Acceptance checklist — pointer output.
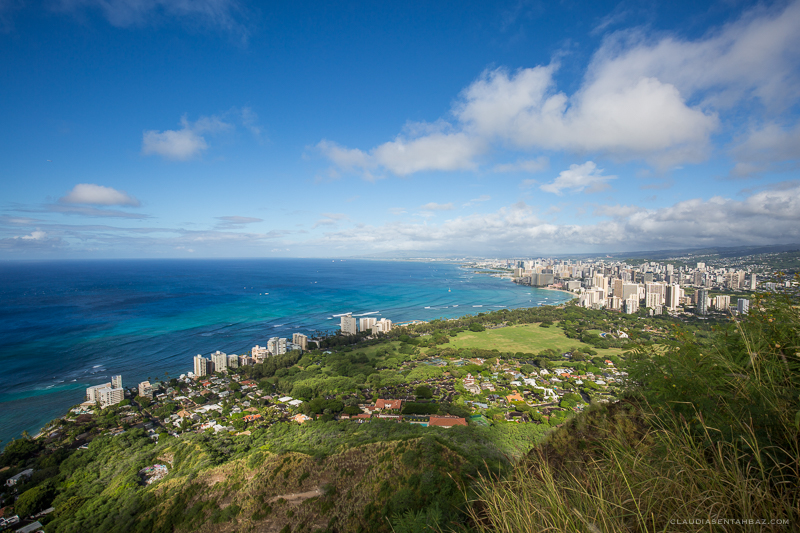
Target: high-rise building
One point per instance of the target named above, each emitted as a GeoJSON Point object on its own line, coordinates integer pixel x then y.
{"type": "Point", "coordinates": [145, 389]}
{"type": "Point", "coordinates": [632, 305]}
{"type": "Point", "coordinates": [702, 301]}
{"type": "Point", "coordinates": [108, 396]}
{"type": "Point", "coordinates": [233, 361]}
{"type": "Point", "coordinates": [200, 366]}
{"type": "Point", "coordinates": [384, 325]}
{"type": "Point", "coordinates": [259, 353]}
{"type": "Point", "coordinates": [116, 382]}
{"type": "Point", "coordinates": [92, 394]}
{"type": "Point", "coordinates": [652, 300]}
{"type": "Point", "coordinates": [673, 296]}
{"type": "Point", "coordinates": [628, 290]}
{"type": "Point", "coordinates": [743, 306]}
{"type": "Point", "coordinates": [655, 293]}
{"type": "Point", "coordinates": [277, 345]}
{"type": "Point", "coordinates": [366, 323]}
{"type": "Point", "coordinates": [722, 302]}
{"type": "Point", "coordinates": [753, 281]}
{"type": "Point", "coordinates": [220, 361]}
{"type": "Point", "coordinates": [601, 282]}
{"type": "Point", "coordinates": [348, 324]}
{"type": "Point", "coordinates": [300, 340]}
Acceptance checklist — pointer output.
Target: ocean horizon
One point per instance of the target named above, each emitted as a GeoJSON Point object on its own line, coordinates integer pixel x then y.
{"type": "Point", "coordinates": [67, 325]}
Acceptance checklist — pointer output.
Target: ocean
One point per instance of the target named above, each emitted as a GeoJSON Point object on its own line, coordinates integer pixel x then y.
{"type": "Point", "coordinates": [65, 326]}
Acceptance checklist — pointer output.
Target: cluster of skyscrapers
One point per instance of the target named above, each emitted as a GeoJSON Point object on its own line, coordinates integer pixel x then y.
{"type": "Point", "coordinates": [622, 287]}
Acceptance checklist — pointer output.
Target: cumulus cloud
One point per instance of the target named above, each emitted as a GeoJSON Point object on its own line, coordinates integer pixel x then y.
{"type": "Point", "coordinates": [656, 98]}
{"type": "Point", "coordinates": [768, 216]}
{"type": "Point", "coordinates": [184, 143]}
{"type": "Point", "coordinates": [407, 154]}
{"type": "Point", "coordinates": [578, 178]}
{"type": "Point", "coordinates": [91, 194]}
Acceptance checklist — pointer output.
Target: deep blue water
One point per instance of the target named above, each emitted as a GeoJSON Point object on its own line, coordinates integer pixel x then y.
{"type": "Point", "coordinates": [67, 325]}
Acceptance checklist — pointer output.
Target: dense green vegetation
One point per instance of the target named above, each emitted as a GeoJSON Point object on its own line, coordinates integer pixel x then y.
{"type": "Point", "coordinates": [695, 378]}
{"type": "Point", "coordinates": [709, 431]}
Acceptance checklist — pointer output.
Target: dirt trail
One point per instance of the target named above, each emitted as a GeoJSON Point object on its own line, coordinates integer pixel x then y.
{"type": "Point", "coordinates": [298, 497]}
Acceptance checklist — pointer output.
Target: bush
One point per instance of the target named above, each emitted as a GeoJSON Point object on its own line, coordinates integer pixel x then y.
{"type": "Point", "coordinates": [476, 327]}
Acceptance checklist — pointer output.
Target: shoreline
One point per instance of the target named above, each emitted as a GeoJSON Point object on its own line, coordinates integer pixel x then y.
{"type": "Point", "coordinates": [559, 290]}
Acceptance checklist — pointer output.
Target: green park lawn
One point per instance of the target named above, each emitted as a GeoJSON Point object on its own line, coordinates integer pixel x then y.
{"type": "Point", "coordinates": [528, 338]}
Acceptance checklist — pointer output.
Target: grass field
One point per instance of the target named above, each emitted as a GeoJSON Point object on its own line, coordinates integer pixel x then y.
{"type": "Point", "coordinates": [525, 338]}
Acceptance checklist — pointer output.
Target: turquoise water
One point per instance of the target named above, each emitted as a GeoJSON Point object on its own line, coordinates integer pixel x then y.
{"type": "Point", "coordinates": [65, 326]}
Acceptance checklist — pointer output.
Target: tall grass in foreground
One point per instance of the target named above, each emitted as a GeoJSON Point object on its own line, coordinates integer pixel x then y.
{"type": "Point", "coordinates": [706, 441]}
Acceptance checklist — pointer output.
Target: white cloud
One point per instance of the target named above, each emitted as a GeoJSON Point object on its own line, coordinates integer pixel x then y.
{"type": "Point", "coordinates": [91, 194]}
{"type": "Point", "coordinates": [617, 211]}
{"type": "Point", "coordinates": [646, 97]}
{"type": "Point", "coordinates": [771, 147]}
{"type": "Point", "coordinates": [433, 206]}
{"type": "Point", "coordinates": [34, 236]}
{"type": "Point", "coordinates": [185, 143]}
{"type": "Point", "coordinates": [579, 177]}
{"type": "Point", "coordinates": [397, 211]}
{"type": "Point", "coordinates": [408, 155]}
{"type": "Point", "coordinates": [180, 144]}
{"type": "Point", "coordinates": [330, 219]}
{"type": "Point", "coordinates": [765, 217]}
{"type": "Point", "coordinates": [438, 151]}
{"type": "Point", "coordinates": [235, 222]}
{"type": "Point", "coordinates": [625, 118]}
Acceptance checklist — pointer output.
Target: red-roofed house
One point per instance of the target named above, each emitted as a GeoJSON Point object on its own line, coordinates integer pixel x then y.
{"type": "Point", "coordinates": [515, 397]}
{"type": "Point", "coordinates": [251, 418]}
{"type": "Point", "coordinates": [300, 418]}
{"type": "Point", "coordinates": [446, 421]}
{"type": "Point", "coordinates": [388, 404]}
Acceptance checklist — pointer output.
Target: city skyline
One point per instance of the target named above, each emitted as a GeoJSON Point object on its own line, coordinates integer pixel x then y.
{"type": "Point", "coordinates": [223, 128]}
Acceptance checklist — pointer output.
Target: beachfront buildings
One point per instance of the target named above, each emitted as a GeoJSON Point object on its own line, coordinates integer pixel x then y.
{"type": "Point", "coordinates": [300, 340]}
{"type": "Point", "coordinates": [202, 366]}
{"type": "Point", "coordinates": [348, 324]}
{"type": "Point", "coordinates": [384, 325]}
{"type": "Point", "coordinates": [259, 353]}
{"type": "Point", "coordinates": [366, 323]}
{"type": "Point", "coordinates": [92, 393]}
{"type": "Point", "coordinates": [276, 346]}
{"type": "Point", "coordinates": [106, 394]}
{"type": "Point", "coordinates": [146, 390]}
{"type": "Point", "coordinates": [220, 361]}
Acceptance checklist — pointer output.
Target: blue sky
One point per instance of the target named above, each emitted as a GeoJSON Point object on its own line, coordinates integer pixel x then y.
{"type": "Point", "coordinates": [222, 128]}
